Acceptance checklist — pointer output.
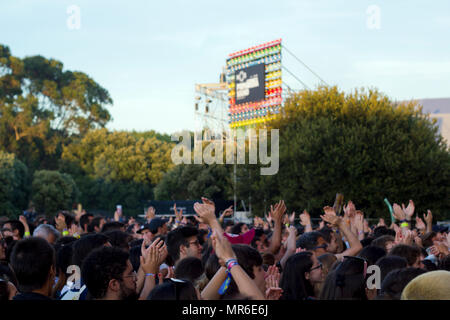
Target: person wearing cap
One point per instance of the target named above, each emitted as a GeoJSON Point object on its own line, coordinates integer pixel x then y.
{"type": "Point", "coordinates": [156, 227]}
{"type": "Point", "coordinates": [146, 234]}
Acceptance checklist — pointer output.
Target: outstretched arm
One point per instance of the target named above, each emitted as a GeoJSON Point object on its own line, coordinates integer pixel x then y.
{"type": "Point", "coordinates": [355, 245]}
{"type": "Point", "coordinates": [224, 252]}
{"type": "Point", "coordinates": [277, 213]}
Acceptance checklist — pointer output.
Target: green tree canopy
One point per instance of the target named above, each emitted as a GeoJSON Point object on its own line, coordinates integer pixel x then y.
{"type": "Point", "coordinates": [360, 144]}
{"type": "Point", "coordinates": [53, 191]}
{"type": "Point", "coordinates": [41, 105]}
{"type": "Point", "coordinates": [118, 167]}
{"type": "Point", "coordinates": [120, 156]}
{"type": "Point", "coordinates": [14, 185]}
{"type": "Point", "coordinates": [189, 182]}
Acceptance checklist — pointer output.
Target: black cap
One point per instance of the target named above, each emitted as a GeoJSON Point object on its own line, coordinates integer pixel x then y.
{"type": "Point", "coordinates": [143, 227]}
{"type": "Point", "coordinates": [156, 223]}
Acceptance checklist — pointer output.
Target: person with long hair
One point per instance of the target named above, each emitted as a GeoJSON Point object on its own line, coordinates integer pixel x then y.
{"type": "Point", "coordinates": [301, 272]}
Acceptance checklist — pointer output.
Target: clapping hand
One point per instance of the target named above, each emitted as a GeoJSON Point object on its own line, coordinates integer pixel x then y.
{"type": "Point", "coordinates": [409, 210]}
{"type": "Point", "coordinates": [206, 212]}
{"type": "Point", "coordinates": [330, 216]}
{"type": "Point", "coordinates": [420, 225]}
{"type": "Point", "coordinates": [399, 214]}
{"type": "Point", "coordinates": [277, 211]}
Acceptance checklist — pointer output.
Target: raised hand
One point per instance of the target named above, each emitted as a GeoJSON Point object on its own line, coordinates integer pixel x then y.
{"type": "Point", "coordinates": [73, 229]}
{"type": "Point", "coordinates": [150, 214]}
{"type": "Point", "coordinates": [273, 290]}
{"type": "Point", "coordinates": [271, 270]}
{"type": "Point", "coordinates": [407, 236]}
{"type": "Point", "coordinates": [60, 222]}
{"type": "Point", "coordinates": [150, 257]}
{"type": "Point", "coordinates": [277, 211]}
{"type": "Point", "coordinates": [206, 212]}
{"type": "Point", "coordinates": [178, 214]}
{"type": "Point", "coordinates": [330, 216]}
{"type": "Point", "coordinates": [207, 201]}
{"type": "Point", "coordinates": [116, 216]}
{"type": "Point", "coordinates": [23, 220]}
{"type": "Point", "coordinates": [228, 211]}
{"type": "Point", "coordinates": [409, 210]}
{"type": "Point", "coordinates": [163, 253]}
{"type": "Point", "coordinates": [25, 223]}
{"type": "Point", "coordinates": [428, 217]}
{"type": "Point", "coordinates": [269, 218]}
{"type": "Point", "coordinates": [350, 209]}
{"type": "Point", "coordinates": [358, 220]}
{"type": "Point", "coordinates": [420, 224]}
{"type": "Point", "coordinates": [222, 247]}
{"type": "Point", "coordinates": [399, 214]}
{"type": "Point", "coordinates": [305, 218]}
{"type": "Point", "coordinates": [292, 218]}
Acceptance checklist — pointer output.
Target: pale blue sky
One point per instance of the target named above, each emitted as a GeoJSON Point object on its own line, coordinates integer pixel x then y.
{"type": "Point", "coordinates": [150, 54]}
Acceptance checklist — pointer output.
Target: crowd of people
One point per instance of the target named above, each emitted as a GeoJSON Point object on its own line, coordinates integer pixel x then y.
{"type": "Point", "coordinates": [79, 256]}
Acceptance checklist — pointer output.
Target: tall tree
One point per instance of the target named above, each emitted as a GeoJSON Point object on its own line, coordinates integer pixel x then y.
{"type": "Point", "coordinates": [361, 144]}
{"type": "Point", "coordinates": [14, 185]}
{"type": "Point", "coordinates": [41, 106]}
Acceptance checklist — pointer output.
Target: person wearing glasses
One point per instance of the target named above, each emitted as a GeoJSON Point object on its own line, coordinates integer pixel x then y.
{"type": "Point", "coordinates": [183, 242]}
{"type": "Point", "coordinates": [301, 273]}
{"type": "Point", "coordinates": [108, 275]}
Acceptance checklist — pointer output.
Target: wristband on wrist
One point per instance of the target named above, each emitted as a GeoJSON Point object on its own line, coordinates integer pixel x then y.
{"type": "Point", "coordinates": [287, 225]}
{"type": "Point", "coordinates": [404, 224]}
{"type": "Point", "coordinates": [65, 232]}
{"type": "Point", "coordinates": [231, 263]}
{"type": "Point", "coordinates": [360, 232]}
{"type": "Point", "coordinates": [27, 233]}
{"type": "Point", "coordinates": [150, 274]}
{"type": "Point", "coordinates": [209, 233]}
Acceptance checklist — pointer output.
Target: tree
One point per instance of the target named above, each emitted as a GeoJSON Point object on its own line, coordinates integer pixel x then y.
{"type": "Point", "coordinates": [362, 145]}
{"type": "Point", "coordinates": [53, 191]}
{"type": "Point", "coordinates": [120, 156]}
{"type": "Point", "coordinates": [119, 167]}
{"type": "Point", "coordinates": [14, 185]}
{"type": "Point", "coordinates": [41, 106]}
{"type": "Point", "coordinates": [189, 182]}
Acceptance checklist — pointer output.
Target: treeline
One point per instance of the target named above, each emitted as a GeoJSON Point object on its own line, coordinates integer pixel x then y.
{"type": "Point", "coordinates": [55, 151]}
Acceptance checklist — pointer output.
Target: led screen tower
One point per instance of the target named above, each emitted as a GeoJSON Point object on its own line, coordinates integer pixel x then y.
{"type": "Point", "coordinates": [254, 84]}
